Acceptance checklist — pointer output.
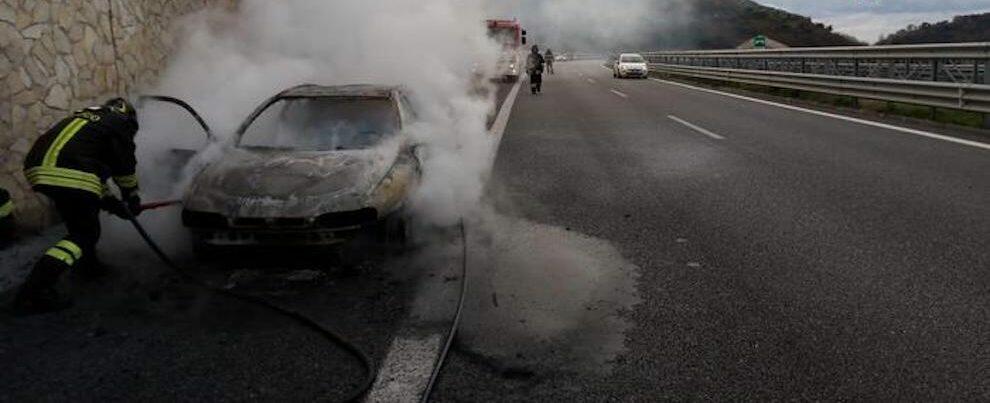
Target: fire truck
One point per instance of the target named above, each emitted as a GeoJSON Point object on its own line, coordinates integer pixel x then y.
{"type": "Point", "coordinates": [510, 35]}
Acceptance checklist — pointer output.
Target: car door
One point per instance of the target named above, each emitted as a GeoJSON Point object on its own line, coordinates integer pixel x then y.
{"type": "Point", "coordinates": [174, 124]}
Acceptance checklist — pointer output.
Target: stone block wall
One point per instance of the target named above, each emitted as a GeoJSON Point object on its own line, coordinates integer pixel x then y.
{"type": "Point", "coordinates": [60, 55]}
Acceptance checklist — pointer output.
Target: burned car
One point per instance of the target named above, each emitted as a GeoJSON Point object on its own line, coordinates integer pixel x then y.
{"type": "Point", "coordinates": [313, 165]}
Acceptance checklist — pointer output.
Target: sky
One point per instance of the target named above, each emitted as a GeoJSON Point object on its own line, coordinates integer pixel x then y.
{"type": "Point", "coordinates": [869, 19]}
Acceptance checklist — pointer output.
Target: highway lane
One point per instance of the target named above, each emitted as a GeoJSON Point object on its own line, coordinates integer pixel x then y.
{"type": "Point", "coordinates": [796, 257]}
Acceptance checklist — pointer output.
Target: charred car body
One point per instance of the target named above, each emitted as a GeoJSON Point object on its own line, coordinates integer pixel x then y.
{"type": "Point", "coordinates": [313, 165]}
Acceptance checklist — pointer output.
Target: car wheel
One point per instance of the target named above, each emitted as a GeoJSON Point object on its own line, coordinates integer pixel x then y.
{"type": "Point", "coordinates": [399, 230]}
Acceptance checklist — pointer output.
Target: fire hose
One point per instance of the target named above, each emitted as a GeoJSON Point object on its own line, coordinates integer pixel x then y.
{"type": "Point", "coordinates": [299, 318]}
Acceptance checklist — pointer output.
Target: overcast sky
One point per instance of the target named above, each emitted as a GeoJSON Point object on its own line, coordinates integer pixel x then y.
{"type": "Point", "coordinates": [868, 19]}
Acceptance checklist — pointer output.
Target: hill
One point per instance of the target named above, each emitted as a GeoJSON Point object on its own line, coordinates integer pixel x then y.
{"type": "Point", "coordinates": [739, 20]}
{"type": "Point", "coordinates": [671, 24]}
{"type": "Point", "coordinates": [965, 28]}
{"type": "Point", "coordinates": [724, 24]}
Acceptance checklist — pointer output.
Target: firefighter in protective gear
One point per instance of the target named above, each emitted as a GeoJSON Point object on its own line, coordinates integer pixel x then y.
{"type": "Point", "coordinates": [549, 58]}
{"type": "Point", "coordinates": [70, 164]}
{"type": "Point", "coordinates": [534, 66]}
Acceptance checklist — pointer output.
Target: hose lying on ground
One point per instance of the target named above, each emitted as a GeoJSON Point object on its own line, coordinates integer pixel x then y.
{"type": "Point", "coordinates": [438, 365]}
{"type": "Point", "coordinates": [301, 319]}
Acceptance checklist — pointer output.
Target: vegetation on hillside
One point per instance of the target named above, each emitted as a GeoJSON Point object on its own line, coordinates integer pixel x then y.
{"type": "Point", "coordinates": [964, 28]}
{"type": "Point", "coordinates": [739, 20]}
{"type": "Point", "coordinates": [725, 24]}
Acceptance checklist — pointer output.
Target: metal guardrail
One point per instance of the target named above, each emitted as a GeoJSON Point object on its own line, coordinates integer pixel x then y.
{"type": "Point", "coordinates": [939, 75]}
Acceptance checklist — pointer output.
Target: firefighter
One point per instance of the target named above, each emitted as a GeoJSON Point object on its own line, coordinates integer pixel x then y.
{"type": "Point", "coordinates": [534, 66]}
{"type": "Point", "coordinates": [70, 164]}
{"type": "Point", "coordinates": [6, 218]}
{"type": "Point", "coordinates": [549, 58]}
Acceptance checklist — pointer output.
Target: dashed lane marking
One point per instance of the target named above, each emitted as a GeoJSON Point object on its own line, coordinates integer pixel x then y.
{"type": "Point", "coordinates": [619, 93]}
{"type": "Point", "coordinates": [695, 127]}
{"type": "Point", "coordinates": [916, 132]}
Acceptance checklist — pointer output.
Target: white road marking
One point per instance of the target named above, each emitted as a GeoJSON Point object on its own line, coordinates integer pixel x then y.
{"type": "Point", "coordinates": [916, 132]}
{"type": "Point", "coordinates": [502, 120]}
{"type": "Point", "coordinates": [619, 93]}
{"type": "Point", "coordinates": [591, 80]}
{"type": "Point", "coordinates": [406, 368]}
{"type": "Point", "coordinates": [695, 127]}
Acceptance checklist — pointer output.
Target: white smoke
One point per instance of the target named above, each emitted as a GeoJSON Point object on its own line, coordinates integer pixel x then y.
{"type": "Point", "coordinates": [598, 25]}
{"type": "Point", "coordinates": [227, 63]}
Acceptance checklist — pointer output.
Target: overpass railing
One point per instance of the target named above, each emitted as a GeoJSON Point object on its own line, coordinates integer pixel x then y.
{"type": "Point", "coordinates": [939, 75]}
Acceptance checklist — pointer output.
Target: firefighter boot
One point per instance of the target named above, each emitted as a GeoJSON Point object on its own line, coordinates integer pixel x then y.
{"type": "Point", "coordinates": [38, 294]}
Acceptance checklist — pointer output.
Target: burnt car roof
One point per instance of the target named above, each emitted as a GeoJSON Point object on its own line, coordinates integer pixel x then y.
{"type": "Point", "coordinates": [321, 91]}
{"type": "Point", "coordinates": [353, 90]}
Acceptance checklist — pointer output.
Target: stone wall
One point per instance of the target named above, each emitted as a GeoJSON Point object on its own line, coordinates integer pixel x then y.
{"type": "Point", "coordinates": [59, 55]}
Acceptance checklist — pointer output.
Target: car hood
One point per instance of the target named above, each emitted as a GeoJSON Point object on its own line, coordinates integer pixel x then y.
{"type": "Point", "coordinates": [273, 183]}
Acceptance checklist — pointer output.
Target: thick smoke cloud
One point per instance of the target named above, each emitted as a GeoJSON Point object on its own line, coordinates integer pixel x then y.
{"type": "Point", "coordinates": [229, 62]}
{"type": "Point", "coordinates": [599, 25]}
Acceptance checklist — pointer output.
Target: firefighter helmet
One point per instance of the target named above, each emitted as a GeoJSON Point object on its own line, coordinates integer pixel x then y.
{"type": "Point", "coordinates": [122, 106]}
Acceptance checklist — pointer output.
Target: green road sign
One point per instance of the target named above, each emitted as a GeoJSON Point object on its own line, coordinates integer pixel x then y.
{"type": "Point", "coordinates": [760, 42]}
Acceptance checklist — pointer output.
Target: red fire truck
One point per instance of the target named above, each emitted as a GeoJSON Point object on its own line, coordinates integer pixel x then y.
{"type": "Point", "coordinates": [512, 37]}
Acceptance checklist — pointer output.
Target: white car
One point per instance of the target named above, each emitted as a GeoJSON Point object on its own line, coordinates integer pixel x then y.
{"type": "Point", "coordinates": [630, 65]}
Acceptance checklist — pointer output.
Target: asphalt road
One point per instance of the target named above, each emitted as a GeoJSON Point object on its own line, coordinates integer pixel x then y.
{"type": "Point", "coordinates": [781, 255]}
{"type": "Point", "coordinates": [142, 335]}
{"type": "Point", "coordinates": [646, 242]}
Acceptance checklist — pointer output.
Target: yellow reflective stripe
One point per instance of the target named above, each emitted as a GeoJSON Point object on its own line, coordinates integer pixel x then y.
{"type": "Point", "coordinates": [71, 247]}
{"type": "Point", "coordinates": [6, 209]}
{"type": "Point", "coordinates": [70, 130]}
{"type": "Point", "coordinates": [67, 183]}
{"type": "Point", "coordinates": [62, 255]}
{"type": "Point", "coordinates": [126, 181]}
{"type": "Point", "coordinates": [65, 177]}
{"type": "Point", "coordinates": [64, 172]}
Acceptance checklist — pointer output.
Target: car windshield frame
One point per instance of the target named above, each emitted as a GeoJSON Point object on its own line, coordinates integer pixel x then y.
{"type": "Point", "coordinates": [261, 109]}
{"type": "Point", "coordinates": [636, 59]}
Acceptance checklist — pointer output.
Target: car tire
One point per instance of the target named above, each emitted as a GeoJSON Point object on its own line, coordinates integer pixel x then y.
{"type": "Point", "coordinates": [399, 230]}
{"type": "Point", "coordinates": [396, 231]}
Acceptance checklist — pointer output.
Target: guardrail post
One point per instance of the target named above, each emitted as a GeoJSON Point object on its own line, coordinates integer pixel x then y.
{"type": "Point", "coordinates": [934, 69]}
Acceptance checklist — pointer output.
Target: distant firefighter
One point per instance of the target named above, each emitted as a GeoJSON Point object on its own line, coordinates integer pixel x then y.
{"type": "Point", "coordinates": [534, 66]}
{"type": "Point", "coordinates": [549, 60]}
